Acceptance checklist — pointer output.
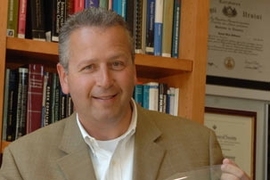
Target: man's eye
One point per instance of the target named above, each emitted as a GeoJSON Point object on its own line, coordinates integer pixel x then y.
{"type": "Point", "coordinates": [89, 68]}
{"type": "Point", "coordinates": [117, 65]}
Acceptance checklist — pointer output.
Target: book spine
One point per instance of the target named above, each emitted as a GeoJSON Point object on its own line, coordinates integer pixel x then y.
{"type": "Point", "coordinates": [37, 20]}
{"type": "Point", "coordinates": [150, 18]}
{"type": "Point", "coordinates": [153, 95]}
{"type": "Point", "coordinates": [117, 6]}
{"type": "Point", "coordinates": [22, 102]}
{"type": "Point", "coordinates": [12, 22]}
{"type": "Point", "coordinates": [124, 9]}
{"type": "Point", "coordinates": [22, 18]}
{"type": "Point", "coordinates": [143, 30]}
{"type": "Point", "coordinates": [59, 17]}
{"type": "Point", "coordinates": [103, 4]}
{"type": "Point", "coordinates": [34, 97]}
{"type": "Point", "coordinates": [91, 3]}
{"type": "Point", "coordinates": [130, 16]}
{"type": "Point", "coordinates": [146, 96]}
{"type": "Point", "coordinates": [176, 101]}
{"type": "Point", "coordinates": [138, 94]}
{"type": "Point", "coordinates": [158, 28]}
{"type": "Point", "coordinates": [57, 91]}
{"type": "Point", "coordinates": [176, 28]}
{"type": "Point", "coordinates": [69, 105]}
{"type": "Point", "coordinates": [78, 5]}
{"type": "Point", "coordinates": [170, 102]}
{"type": "Point", "coordinates": [44, 91]}
{"type": "Point", "coordinates": [110, 4]}
{"type": "Point", "coordinates": [12, 105]}
{"type": "Point", "coordinates": [167, 28]}
{"type": "Point", "coordinates": [48, 92]}
{"type": "Point", "coordinates": [137, 29]}
{"type": "Point", "coordinates": [62, 105]}
{"type": "Point", "coordinates": [162, 97]}
{"type": "Point", "coordinates": [5, 111]}
{"type": "Point", "coordinates": [70, 8]}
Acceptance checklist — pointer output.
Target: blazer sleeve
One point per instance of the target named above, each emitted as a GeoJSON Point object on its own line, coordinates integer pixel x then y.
{"type": "Point", "coordinates": [216, 156]}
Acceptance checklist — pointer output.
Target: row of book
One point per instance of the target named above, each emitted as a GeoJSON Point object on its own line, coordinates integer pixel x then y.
{"type": "Point", "coordinates": [33, 99]}
{"type": "Point", "coordinates": [158, 97]}
{"type": "Point", "coordinates": [155, 24]}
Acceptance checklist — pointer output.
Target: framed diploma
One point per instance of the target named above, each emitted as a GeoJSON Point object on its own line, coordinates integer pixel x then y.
{"type": "Point", "coordinates": [235, 131]}
{"type": "Point", "coordinates": [238, 42]}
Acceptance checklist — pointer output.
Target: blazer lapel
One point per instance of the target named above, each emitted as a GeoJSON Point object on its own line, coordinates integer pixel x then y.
{"type": "Point", "coordinates": [77, 163]}
{"type": "Point", "coordinates": [148, 155]}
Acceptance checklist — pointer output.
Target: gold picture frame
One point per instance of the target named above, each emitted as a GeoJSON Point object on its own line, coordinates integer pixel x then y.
{"type": "Point", "coordinates": [236, 133]}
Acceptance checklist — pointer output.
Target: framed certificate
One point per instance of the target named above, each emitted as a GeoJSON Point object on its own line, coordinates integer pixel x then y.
{"type": "Point", "coordinates": [235, 132]}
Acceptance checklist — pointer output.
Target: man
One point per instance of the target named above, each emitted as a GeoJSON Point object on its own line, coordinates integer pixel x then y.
{"type": "Point", "coordinates": [109, 136]}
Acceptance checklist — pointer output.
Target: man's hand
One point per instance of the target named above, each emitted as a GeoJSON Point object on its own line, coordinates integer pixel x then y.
{"type": "Point", "coordinates": [230, 171]}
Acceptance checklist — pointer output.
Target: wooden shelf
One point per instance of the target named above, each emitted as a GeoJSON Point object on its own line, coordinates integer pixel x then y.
{"type": "Point", "coordinates": [148, 66]}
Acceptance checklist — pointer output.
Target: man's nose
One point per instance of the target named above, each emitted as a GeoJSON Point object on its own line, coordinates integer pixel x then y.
{"type": "Point", "coordinates": [105, 77]}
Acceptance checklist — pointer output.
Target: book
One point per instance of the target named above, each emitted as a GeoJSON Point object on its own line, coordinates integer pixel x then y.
{"type": "Point", "coordinates": [153, 95]}
{"type": "Point", "coordinates": [103, 4]}
{"type": "Point", "coordinates": [167, 28]}
{"type": "Point", "coordinates": [12, 105]}
{"type": "Point", "coordinates": [34, 97]}
{"type": "Point", "coordinates": [56, 101]}
{"type": "Point", "coordinates": [69, 7]}
{"type": "Point", "coordinates": [176, 28]}
{"type": "Point", "coordinates": [21, 102]}
{"type": "Point", "coordinates": [49, 18]}
{"type": "Point", "coordinates": [78, 5]}
{"type": "Point", "coordinates": [35, 20]}
{"type": "Point", "coordinates": [150, 18]}
{"type": "Point", "coordinates": [44, 115]}
{"type": "Point", "coordinates": [143, 30]}
{"type": "Point", "coordinates": [130, 16]}
{"type": "Point", "coordinates": [162, 99]}
{"type": "Point", "coordinates": [52, 98]}
{"type": "Point", "coordinates": [110, 2]}
{"type": "Point", "coordinates": [137, 27]}
{"type": "Point", "coordinates": [170, 101]}
{"type": "Point", "coordinates": [59, 17]}
{"type": "Point", "coordinates": [119, 7]}
{"type": "Point", "coordinates": [138, 94]}
{"type": "Point", "coordinates": [91, 3]}
{"type": "Point", "coordinates": [22, 18]}
{"type": "Point", "coordinates": [158, 27]}
{"type": "Point", "coordinates": [12, 21]}
{"type": "Point", "coordinates": [5, 109]}
{"type": "Point", "coordinates": [145, 96]}
{"type": "Point", "coordinates": [69, 105]}
{"type": "Point", "coordinates": [176, 101]}
{"type": "Point", "coordinates": [150, 96]}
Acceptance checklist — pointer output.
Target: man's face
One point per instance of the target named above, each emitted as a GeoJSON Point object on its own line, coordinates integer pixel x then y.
{"type": "Point", "coordinates": [101, 75]}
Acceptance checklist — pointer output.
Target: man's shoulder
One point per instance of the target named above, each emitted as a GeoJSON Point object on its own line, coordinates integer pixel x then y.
{"type": "Point", "coordinates": [166, 121]}
{"type": "Point", "coordinates": [41, 137]}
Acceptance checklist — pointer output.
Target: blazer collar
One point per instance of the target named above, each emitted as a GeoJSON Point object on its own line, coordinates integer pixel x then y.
{"type": "Point", "coordinates": [148, 154]}
{"type": "Point", "coordinates": [76, 164]}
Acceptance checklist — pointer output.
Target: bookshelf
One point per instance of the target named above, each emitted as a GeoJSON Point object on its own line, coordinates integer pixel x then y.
{"type": "Point", "coordinates": [188, 72]}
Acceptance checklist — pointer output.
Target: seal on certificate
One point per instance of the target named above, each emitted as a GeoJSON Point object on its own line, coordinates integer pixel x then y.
{"type": "Point", "coordinates": [229, 63]}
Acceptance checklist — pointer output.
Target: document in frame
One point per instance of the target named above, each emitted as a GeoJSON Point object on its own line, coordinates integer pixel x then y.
{"type": "Point", "coordinates": [239, 41]}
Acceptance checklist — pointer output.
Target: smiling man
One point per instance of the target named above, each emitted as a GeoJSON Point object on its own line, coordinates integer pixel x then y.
{"type": "Point", "coordinates": [109, 136]}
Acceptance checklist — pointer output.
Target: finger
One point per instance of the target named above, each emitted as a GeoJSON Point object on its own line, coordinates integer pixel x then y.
{"type": "Point", "coordinates": [228, 161]}
{"type": "Point", "coordinates": [230, 171]}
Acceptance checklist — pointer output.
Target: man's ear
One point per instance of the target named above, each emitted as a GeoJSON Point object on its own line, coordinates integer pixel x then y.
{"type": "Point", "coordinates": [63, 78]}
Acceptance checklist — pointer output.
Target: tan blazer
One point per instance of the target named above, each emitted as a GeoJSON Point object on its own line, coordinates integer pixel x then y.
{"type": "Point", "coordinates": [164, 145]}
